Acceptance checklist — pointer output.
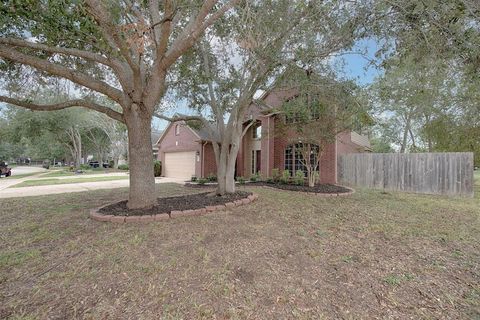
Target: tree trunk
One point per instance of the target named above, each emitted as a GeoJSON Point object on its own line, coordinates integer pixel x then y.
{"type": "Point", "coordinates": [226, 168]}
{"type": "Point", "coordinates": [403, 147]}
{"type": "Point", "coordinates": [311, 177]}
{"type": "Point", "coordinates": [115, 162]}
{"type": "Point", "coordinates": [142, 181]}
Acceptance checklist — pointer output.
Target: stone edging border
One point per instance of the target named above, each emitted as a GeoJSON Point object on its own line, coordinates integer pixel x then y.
{"type": "Point", "coordinates": [97, 216]}
{"type": "Point", "coordinates": [318, 194]}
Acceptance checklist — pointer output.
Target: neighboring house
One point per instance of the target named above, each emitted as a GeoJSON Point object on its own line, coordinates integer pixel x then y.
{"type": "Point", "coordinates": [186, 151]}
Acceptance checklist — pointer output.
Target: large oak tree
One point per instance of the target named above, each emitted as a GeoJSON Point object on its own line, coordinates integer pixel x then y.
{"type": "Point", "coordinates": [123, 50]}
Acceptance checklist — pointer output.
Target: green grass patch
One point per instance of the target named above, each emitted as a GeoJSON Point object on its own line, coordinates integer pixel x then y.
{"type": "Point", "coordinates": [13, 258]}
{"type": "Point", "coordinates": [67, 173]}
{"type": "Point", "coordinates": [48, 182]}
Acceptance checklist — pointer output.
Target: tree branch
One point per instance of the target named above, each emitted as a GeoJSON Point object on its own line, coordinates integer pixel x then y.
{"type": "Point", "coordinates": [104, 20]}
{"type": "Point", "coordinates": [64, 105]}
{"type": "Point", "coordinates": [180, 118]}
{"type": "Point", "coordinates": [204, 121]}
{"type": "Point", "coordinates": [65, 51]}
{"type": "Point", "coordinates": [78, 77]}
{"type": "Point", "coordinates": [193, 31]}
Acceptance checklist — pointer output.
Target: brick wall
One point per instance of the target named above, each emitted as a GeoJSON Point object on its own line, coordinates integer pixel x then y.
{"type": "Point", "coordinates": [345, 144]}
{"type": "Point", "coordinates": [187, 140]}
{"type": "Point", "coordinates": [327, 165]}
{"type": "Point", "coordinates": [209, 163]}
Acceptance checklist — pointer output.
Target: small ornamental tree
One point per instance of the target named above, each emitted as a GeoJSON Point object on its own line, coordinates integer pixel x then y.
{"type": "Point", "coordinates": [322, 108]}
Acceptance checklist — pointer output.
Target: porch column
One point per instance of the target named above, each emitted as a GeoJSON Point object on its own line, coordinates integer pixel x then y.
{"type": "Point", "coordinates": [267, 145]}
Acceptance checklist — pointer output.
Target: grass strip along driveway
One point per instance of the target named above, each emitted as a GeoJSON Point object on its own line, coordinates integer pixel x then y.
{"type": "Point", "coordinates": [288, 255]}
{"type": "Point", "coordinates": [64, 173]}
{"type": "Point", "coordinates": [53, 181]}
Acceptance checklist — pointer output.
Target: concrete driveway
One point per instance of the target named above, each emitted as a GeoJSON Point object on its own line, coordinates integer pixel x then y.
{"type": "Point", "coordinates": [26, 170]}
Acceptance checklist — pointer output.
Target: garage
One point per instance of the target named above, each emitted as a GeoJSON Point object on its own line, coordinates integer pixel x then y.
{"type": "Point", "coordinates": [179, 164]}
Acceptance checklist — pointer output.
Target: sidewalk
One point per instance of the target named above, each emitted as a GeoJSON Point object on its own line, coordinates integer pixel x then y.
{"type": "Point", "coordinates": [71, 187]}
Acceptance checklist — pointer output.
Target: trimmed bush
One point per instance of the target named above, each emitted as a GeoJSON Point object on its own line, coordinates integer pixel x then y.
{"type": "Point", "coordinates": [85, 167]}
{"type": "Point", "coordinates": [285, 179]}
{"type": "Point", "coordinates": [202, 181]}
{"type": "Point", "coordinates": [123, 167]}
{"type": "Point", "coordinates": [276, 175]}
{"type": "Point", "coordinates": [299, 178]}
{"type": "Point", "coordinates": [193, 179]}
{"type": "Point", "coordinates": [241, 180]}
{"type": "Point", "coordinates": [254, 177]}
{"type": "Point", "coordinates": [157, 168]}
{"type": "Point", "coordinates": [212, 177]}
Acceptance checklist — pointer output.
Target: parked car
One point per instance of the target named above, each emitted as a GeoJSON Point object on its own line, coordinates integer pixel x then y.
{"type": "Point", "coordinates": [94, 164]}
{"type": "Point", "coordinates": [5, 170]}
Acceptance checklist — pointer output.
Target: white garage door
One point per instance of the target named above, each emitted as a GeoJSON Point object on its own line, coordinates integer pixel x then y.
{"type": "Point", "coordinates": [179, 164]}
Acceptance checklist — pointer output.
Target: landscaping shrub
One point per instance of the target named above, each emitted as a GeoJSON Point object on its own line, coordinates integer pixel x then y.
{"type": "Point", "coordinates": [299, 178]}
{"type": "Point", "coordinates": [254, 177]}
{"type": "Point", "coordinates": [276, 175]}
{"type": "Point", "coordinates": [193, 179]}
{"type": "Point", "coordinates": [212, 177]}
{"type": "Point", "coordinates": [123, 167]}
{"type": "Point", "coordinates": [157, 168]}
{"type": "Point", "coordinates": [285, 178]}
{"type": "Point", "coordinates": [241, 180]}
{"type": "Point", "coordinates": [202, 181]}
{"type": "Point", "coordinates": [85, 167]}
{"type": "Point", "coordinates": [269, 180]}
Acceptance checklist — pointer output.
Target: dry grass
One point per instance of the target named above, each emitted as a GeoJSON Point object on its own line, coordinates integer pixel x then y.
{"type": "Point", "coordinates": [288, 255]}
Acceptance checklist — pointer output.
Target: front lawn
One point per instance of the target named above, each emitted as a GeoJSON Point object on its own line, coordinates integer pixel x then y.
{"type": "Point", "coordinates": [52, 181]}
{"type": "Point", "coordinates": [287, 255]}
{"type": "Point", "coordinates": [65, 173]}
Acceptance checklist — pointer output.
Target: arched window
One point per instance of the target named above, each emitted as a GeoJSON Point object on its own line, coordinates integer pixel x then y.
{"type": "Point", "coordinates": [177, 129]}
{"type": "Point", "coordinates": [294, 157]}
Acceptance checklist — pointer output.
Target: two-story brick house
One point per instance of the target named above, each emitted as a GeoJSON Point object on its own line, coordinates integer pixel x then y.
{"type": "Point", "coordinates": [186, 151]}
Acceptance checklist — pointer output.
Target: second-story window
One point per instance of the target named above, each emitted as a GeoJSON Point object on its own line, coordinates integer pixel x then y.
{"type": "Point", "coordinates": [257, 131]}
{"type": "Point", "coordinates": [177, 129]}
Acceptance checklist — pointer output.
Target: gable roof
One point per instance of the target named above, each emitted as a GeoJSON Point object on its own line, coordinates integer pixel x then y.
{"type": "Point", "coordinates": [155, 135]}
{"type": "Point", "coordinates": [202, 133]}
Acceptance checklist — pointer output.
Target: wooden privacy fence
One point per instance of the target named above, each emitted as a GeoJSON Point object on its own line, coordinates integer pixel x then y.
{"type": "Point", "coordinates": [434, 173]}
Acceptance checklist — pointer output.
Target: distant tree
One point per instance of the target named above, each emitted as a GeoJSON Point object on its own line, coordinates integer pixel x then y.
{"type": "Point", "coordinates": [116, 135]}
{"type": "Point", "coordinates": [380, 145]}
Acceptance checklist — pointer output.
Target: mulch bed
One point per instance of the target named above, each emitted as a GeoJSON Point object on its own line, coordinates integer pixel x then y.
{"type": "Point", "coordinates": [167, 205]}
{"type": "Point", "coordinates": [319, 188]}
